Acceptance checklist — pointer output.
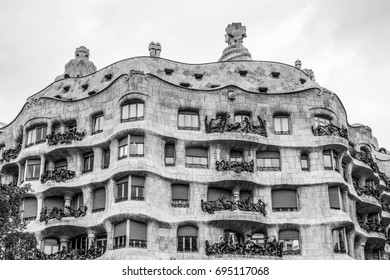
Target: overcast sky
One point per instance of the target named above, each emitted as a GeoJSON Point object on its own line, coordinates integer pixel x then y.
{"type": "Point", "coordinates": [346, 43]}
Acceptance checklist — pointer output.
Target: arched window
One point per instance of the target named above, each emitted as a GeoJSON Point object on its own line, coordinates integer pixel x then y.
{"type": "Point", "coordinates": [133, 111]}
{"type": "Point", "coordinates": [99, 200]}
{"type": "Point", "coordinates": [304, 162]}
{"type": "Point", "coordinates": [188, 120]}
{"type": "Point", "coordinates": [187, 239]}
{"type": "Point", "coordinates": [196, 158]}
{"type": "Point", "coordinates": [284, 200]}
{"type": "Point", "coordinates": [268, 161]}
{"type": "Point", "coordinates": [321, 120]}
{"type": "Point", "coordinates": [180, 195]}
{"type": "Point", "coordinates": [290, 239]}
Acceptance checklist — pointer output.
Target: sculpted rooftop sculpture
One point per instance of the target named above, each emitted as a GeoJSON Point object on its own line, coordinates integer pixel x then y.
{"type": "Point", "coordinates": [235, 33]}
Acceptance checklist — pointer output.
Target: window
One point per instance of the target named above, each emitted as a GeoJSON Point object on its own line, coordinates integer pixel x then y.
{"type": "Point", "coordinates": [106, 158]}
{"type": "Point", "coordinates": [169, 155]}
{"type": "Point", "coordinates": [132, 112]}
{"type": "Point", "coordinates": [268, 161]}
{"type": "Point", "coordinates": [122, 152]}
{"type": "Point", "coordinates": [78, 243]}
{"type": "Point", "coordinates": [244, 195]}
{"type": "Point", "coordinates": [36, 135]}
{"type": "Point", "coordinates": [188, 120]}
{"type": "Point", "coordinates": [196, 158]}
{"type": "Point", "coordinates": [180, 196]}
{"type": "Point", "coordinates": [137, 188]}
{"type": "Point", "coordinates": [284, 200]}
{"type": "Point", "coordinates": [304, 163]}
{"type": "Point", "coordinates": [99, 200]}
{"type": "Point", "coordinates": [239, 118]}
{"type": "Point", "coordinates": [136, 146]}
{"type": "Point", "coordinates": [290, 239]}
{"type": "Point", "coordinates": [33, 169]}
{"type": "Point", "coordinates": [234, 237]}
{"type": "Point", "coordinates": [321, 120]}
{"type": "Point", "coordinates": [30, 208]}
{"type": "Point", "coordinates": [236, 156]}
{"type": "Point", "coordinates": [54, 202]}
{"type": "Point", "coordinates": [98, 124]}
{"type": "Point", "coordinates": [339, 241]}
{"type": "Point", "coordinates": [72, 127]}
{"type": "Point", "coordinates": [331, 161]}
{"type": "Point", "coordinates": [214, 193]}
{"type": "Point", "coordinates": [335, 198]}
{"type": "Point", "coordinates": [373, 218]}
{"type": "Point", "coordinates": [101, 241]}
{"type": "Point", "coordinates": [259, 238]}
{"type": "Point", "coordinates": [138, 233]}
{"type": "Point", "coordinates": [122, 189]}
{"type": "Point", "coordinates": [88, 162]}
{"type": "Point", "coordinates": [120, 235]}
{"type": "Point", "coordinates": [61, 164]}
{"type": "Point", "coordinates": [281, 125]}
{"type": "Point", "coordinates": [51, 246]}
{"type": "Point", "coordinates": [77, 201]}
{"type": "Point", "coordinates": [187, 239]}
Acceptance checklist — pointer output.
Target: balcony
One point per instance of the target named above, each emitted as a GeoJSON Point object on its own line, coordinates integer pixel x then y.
{"type": "Point", "coordinates": [76, 254]}
{"type": "Point", "coordinates": [367, 190]}
{"type": "Point", "coordinates": [221, 124]}
{"type": "Point", "coordinates": [222, 204]}
{"type": "Point", "coordinates": [371, 226]}
{"type": "Point", "coordinates": [11, 153]}
{"type": "Point", "coordinates": [58, 175]}
{"type": "Point", "coordinates": [59, 213]}
{"type": "Point", "coordinates": [236, 166]}
{"type": "Point", "coordinates": [64, 138]}
{"type": "Point", "coordinates": [365, 158]}
{"type": "Point", "coordinates": [330, 129]}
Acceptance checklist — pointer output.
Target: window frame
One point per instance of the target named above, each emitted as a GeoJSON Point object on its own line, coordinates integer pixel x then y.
{"type": "Point", "coordinates": [97, 124]}
{"type": "Point", "coordinates": [321, 120]}
{"type": "Point", "coordinates": [33, 133]}
{"type": "Point", "coordinates": [334, 160]}
{"type": "Point", "coordinates": [201, 162]}
{"type": "Point", "coordinates": [337, 242]}
{"type": "Point", "coordinates": [283, 130]}
{"type": "Point", "coordinates": [285, 209]}
{"type": "Point", "coordinates": [106, 162]}
{"type": "Point", "coordinates": [303, 158]}
{"type": "Point", "coordinates": [137, 147]}
{"type": "Point", "coordinates": [123, 186]}
{"type": "Point", "coordinates": [168, 157]}
{"type": "Point", "coordinates": [241, 117]}
{"type": "Point", "coordinates": [262, 162]}
{"type": "Point", "coordinates": [88, 159]}
{"type": "Point", "coordinates": [290, 242]}
{"type": "Point", "coordinates": [184, 117]}
{"type": "Point", "coordinates": [36, 170]}
{"type": "Point", "coordinates": [139, 115]}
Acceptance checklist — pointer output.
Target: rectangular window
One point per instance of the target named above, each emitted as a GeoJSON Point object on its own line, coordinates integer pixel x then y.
{"type": "Point", "coordinates": [281, 125]}
{"type": "Point", "coordinates": [268, 161]}
{"type": "Point", "coordinates": [196, 158]}
{"type": "Point", "coordinates": [61, 164]}
{"type": "Point", "coordinates": [106, 158]}
{"type": "Point", "coordinates": [98, 124]}
{"type": "Point", "coordinates": [120, 242]}
{"type": "Point", "coordinates": [88, 162]}
{"type": "Point", "coordinates": [169, 155]}
{"type": "Point", "coordinates": [340, 241]}
{"type": "Point", "coordinates": [123, 148]}
{"type": "Point", "coordinates": [31, 135]}
{"type": "Point", "coordinates": [33, 169]}
{"type": "Point", "coordinates": [321, 121]}
{"type": "Point", "coordinates": [180, 196]}
{"type": "Point", "coordinates": [304, 163]}
{"type": "Point", "coordinates": [137, 188]}
{"type": "Point", "coordinates": [188, 121]}
{"type": "Point", "coordinates": [236, 156]}
{"type": "Point", "coordinates": [99, 200]}
{"type": "Point", "coordinates": [284, 200]}
{"type": "Point", "coordinates": [136, 146]}
{"type": "Point", "coordinates": [122, 190]}
{"type": "Point", "coordinates": [187, 244]}
{"type": "Point", "coordinates": [331, 161]}
{"type": "Point", "coordinates": [132, 112]}
{"type": "Point", "coordinates": [290, 239]}
{"type": "Point", "coordinates": [41, 134]}
{"type": "Point", "coordinates": [240, 118]}
{"type": "Point", "coordinates": [373, 218]}
{"type": "Point", "coordinates": [335, 198]}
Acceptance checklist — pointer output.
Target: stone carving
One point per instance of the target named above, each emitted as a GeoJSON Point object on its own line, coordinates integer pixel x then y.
{"type": "Point", "coordinates": [364, 157]}
{"type": "Point", "coordinates": [298, 64]}
{"type": "Point", "coordinates": [384, 151]}
{"type": "Point", "coordinates": [385, 206]}
{"type": "Point", "coordinates": [310, 73]}
{"type": "Point", "coordinates": [227, 246]}
{"type": "Point", "coordinates": [221, 124]}
{"type": "Point", "coordinates": [223, 204]}
{"type": "Point", "coordinates": [235, 33]}
{"type": "Point", "coordinates": [385, 179]}
{"type": "Point", "coordinates": [11, 153]}
{"type": "Point", "coordinates": [80, 66]}
{"type": "Point", "coordinates": [154, 49]}
{"type": "Point", "coordinates": [64, 138]}
{"type": "Point", "coordinates": [59, 213]}
{"type": "Point", "coordinates": [33, 102]}
{"type": "Point", "coordinates": [236, 166]}
{"type": "Point", "coordinates": [330, 129]}
{"type": "Point", "coordinates": [58, 175]}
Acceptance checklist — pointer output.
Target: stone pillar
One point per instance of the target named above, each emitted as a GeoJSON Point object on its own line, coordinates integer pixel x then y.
{"type": "Point", "coordinates": [43, 161]}
{"type": "Point", "coordinates": [87, 197]}
{"type": "Point", "coordinates": [128, 145]}
{"type": "Point", "coordinates": [345, 202]}
{"type": "Point", "coordinates": [64, 244]}
{"type": "Point", "coordinates": [109, 227]}
{"type": "Point", "coordinates": [180, 151]}
{"type": "Point", "coordinates": [19, 173]}
{"type": "Point", "coordinates": [98, 158]}
{"type": "Point", "coordinates": [359, 250]}
{"type": "Point", "coordinates": [236, 194]}
{"type": "Point", "coordinates": [68, 200]}
{"type": "Point", "coordinates": [91, 238]}
{"type": "Point", "coordinates": [212, 153]}
{"type": "Point", "coordinates": [110, 193]}
{"type": "Point", "coordinates": [127, 242]}
{"type": "Point", "coordinates": [24, 139]}
{"type": "Point", "coordinates": [50, 165]}
{"type": "Point", "coordinates": [114, 146]}
{"type": "Point", "coordinates": [273, 231]}
{"type": "Point", "coordinates": [25, 171]}
{"type": "Point", "coordinates": [350, 242]}
{"type": "Point", "coordinates": [40, 199]}
{"type": "Point", "coordinates": [349, 172]}
{"type": "Point", "coordinates": [62, 128]}
{"type": "Point", "coordinates": [78, 163]}
{"type": "Point", "coordinates": [313, 161]}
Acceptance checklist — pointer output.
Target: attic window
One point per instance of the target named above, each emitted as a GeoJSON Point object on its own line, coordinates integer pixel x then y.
{"type": "Point", "coordinates": [214, 86]}
{"type": "Point", "coordinates": [168, 71]}
{"type": "Point", "coordinates": [92, 92]}
{"type": "Point", "coordinates": [58, 96]}
{"type": "Point", "coordinates": [243, 73]}
{"type": "Point", "coordinates": [185, 84]}
{"type": "Point", "coordinates": [66, 88]}
{"type": "Point", "coordinates": [198, 76]}
{"type": "Point", "coordinates": [263, 89]}
{"type": "Point", "coordinates": [302, 81]}
{"type": "Point", "coordinates": [275, 74]}
{"type": "Point", "coordinates": [108, 77]}
{"type": "Point", "coordinates": [85, 87]}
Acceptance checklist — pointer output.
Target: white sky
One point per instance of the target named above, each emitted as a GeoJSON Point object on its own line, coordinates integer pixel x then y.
{"type": "Point", "coordinates": [346, 43]}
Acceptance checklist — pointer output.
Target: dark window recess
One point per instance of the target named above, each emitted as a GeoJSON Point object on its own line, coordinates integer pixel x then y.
{"type": "Point", "coordinates": [243, 73]}
{"type": "Point", "coordinates": [302, 81]}
{"type": "Point", "coordinates": [85, 87]}
{"type": "Point", "coordinates": [66, 88]}
{"type": "Point", "coordinates": [185, 84]}
{"type": "Point", "coordinates": [66, 76]}
{"type": "Point", "coordinates": [92, 92]}
{"type": "Point", "coordinates": [108, 77]}
{"type": "Point", "coordinates": [168, 71]}
{"type": "Point", "coordinates": [58, 96]}
{"type": "Point", "coordinates": [275, 74]}
{"type": "Point", "coordinates": [263, 89]}
{"type": "Point", "coordinates": [198, 76]}
{"type": "Point", "coordinates": [214, 86]}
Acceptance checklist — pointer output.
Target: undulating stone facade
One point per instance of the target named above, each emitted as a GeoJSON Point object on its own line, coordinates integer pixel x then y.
{"type": "Point", "coordinates": [156, 159]}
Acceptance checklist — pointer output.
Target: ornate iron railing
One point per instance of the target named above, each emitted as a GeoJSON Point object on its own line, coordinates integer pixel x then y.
{"type": "Point", "coordinates": [58, 175]}
{"type": "Point", "coordinates": [223, 204]}
{"type": "Point", "coordinates": [137, 243]}
{"type": "Point", "coordinates": [330, 129]}
{"type": "Point", "coordinates": [364, 157]}
{"type": "Point", "coordinates": [269, 168]}
{"type": "Point", "coordinates": [371, 226]}
{"type": "Point", "coordinates": [64, 138]}
{"type": "Point", "coordinates": [11, 153]}
{"type": "Point", "coordinates": [59, 213]}
{"type": "Point", "coordinates": [197, 165]}
{"type": "Point", "coordinates": [236, 166]}
{"type": "Point", "coordinates": [367, 190]}
{"type": "Point", "coordinates": [226, 246]}
{"type": "Point", "coordinates": [386, 180]}
{"type": "Point", "coordinates": [385, 206]}
{"type": "Point", "coordinates": [221, 125]}
{"type": "Point", "coordinates": [79, 254]}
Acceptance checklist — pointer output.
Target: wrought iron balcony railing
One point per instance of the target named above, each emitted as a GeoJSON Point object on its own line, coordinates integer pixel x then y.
{"type": "Point", "coordinates": [330, 129]}
{"type": "Point", "coordinates": [364, 157]}
{"type": "Point", "coordinates": [236, 166]}
{"type": "Point", "coordinates": [58, 175]}
{"type": "Point", "coordinates": [371, 226]}
{"type": "Point", "coordinates": [11, 153]}
{"type": "Point", "coordinates": [367, 190]}
{"type": "Point", "coordinates": [221, 124]}
{"type": "Point", "coordinates": [386, 180]}
{"type": "Point", "coordinates": [59, 213]}
{"type": "Point", "coordinates": [78, 254]}
{"type": "Point", "coordinates": [223, 204]}
{"type": "Point", "coordinates": [64, 138]}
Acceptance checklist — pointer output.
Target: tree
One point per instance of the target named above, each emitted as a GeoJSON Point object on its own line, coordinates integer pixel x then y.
{"type": "Point", "coordinates": [15, 244]}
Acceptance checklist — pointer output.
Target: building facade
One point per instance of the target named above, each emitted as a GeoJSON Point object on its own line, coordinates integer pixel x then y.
{"type": "Point", "coordinates": [156, 159]}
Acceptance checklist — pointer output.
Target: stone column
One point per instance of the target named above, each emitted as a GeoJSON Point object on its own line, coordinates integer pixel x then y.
{"type": "Point", "coordinates": [91, 238]}
{"type": "Point", "coordinates": [110, 193]}
{"type": "Point", "coordinates": [345, 202]}
{"type": "Point", "coordinates": [98, 158]}
{"type": "Point", "coordinates": [50, 165]}
{"type": "Point", "coordinates": [313, 161]}
{"type": "Point", "coordinates": [43, 161]}
{"type": "Point", "coordinates": [273, 231]}
{"type": "Point", "coordinates": [109, 227]}
{"type": "Point", "coordinates": [349, 172]}
{"type": "Point", "coordinates": [127, 242]}
{"type": "Point", "coordinates": [78, 163]}
{"type": "Point", "coordinates": [68, 200]}
{"type": "Point", "coordinates": [87, 197]}
{"type": "Point", "coordinates": [19, 173]}
{"type": "Point", "coordinates": [64, 244]}
{"type": "Point", "coordinates": [25, 170]}
{"type": "Point", "coordinates": [359, 250]}
{"type": "Point", "coordinates": [40, 199]}
{"type": "Point", "coordinates": [49, 128]}
{"type": "Point", "coordinates": [180, 152]}
{"type": "Point", "coordinates": [128, 145]}
{"type": "Point", "coordinates": [114, 146]}
{"type": "Point", "coordinates": [213, 149]}
{"type": "Point", "coordinates": [236, 194]}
